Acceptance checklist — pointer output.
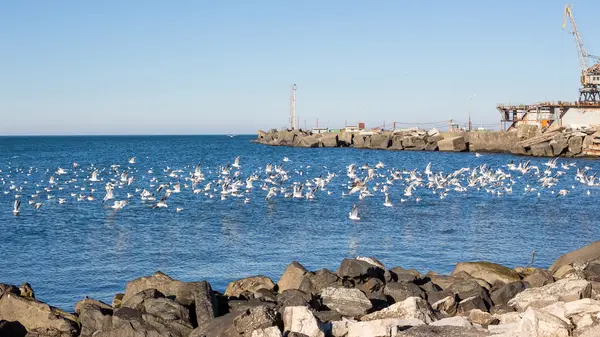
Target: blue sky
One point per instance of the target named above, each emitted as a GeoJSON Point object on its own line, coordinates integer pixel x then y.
{"type": "Point", "coordinates": [170, 67]}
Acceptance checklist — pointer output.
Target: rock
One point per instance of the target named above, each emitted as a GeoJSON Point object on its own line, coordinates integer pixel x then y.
{"type": "Point", "coordinates": [592, 272]}
{"type": "Point", "coordinates": [117, 300]}
{"type": "Point", "coordinates": [482, 318]}
{"type": "Point", "coordinates": [400, 274]}
{"type": "Point", "coordinates": [268, 332]}
{"type": "Point", "coordinates": [33, 314]}
{"type": "Point", "coordinates": [396, 143]}
{"type": "Point", "coordinates": [373, 289]}
{"type": "Point", "coordinates": [581, 307]}
{"type": "Point", "coordinates": [537, 323]}
{"type": "Point", "coordinates": [592, 331]}
{"type": "Point", "coordinates": [380, 141]}
{"type": "Point", "coordinates": [431, 146]}
{"type": "Point", "coordinates": [329, 140]}
{"type": "Point", "coordinates": [472, 303]}
{"type": "Point", "coordinates": [543, 149]}
{"type": "Point", "coordinates": [301, 320]}
{"type": "Point", "coordinates": [412, 307]}
{"type": "Point", "coordinates": [508, 318]}
{"type": "Point", "coordinates": [8, 288]}
{"type": "Point", "coordinates": [340, 327]}
{"type": "Point", "coordinates": [359, 270]}
{"type": "Point", "coordinates": [557, 309]}
{"type": "Point", "coordinates": [562, 290]}
{"type": "Point", "coordinates": [399, 291]}
{"type": "Point", "coordinates": [575, 144]}
{"type": "Point", "coordinates": [167, 310]}
{"type": "Point", "coordinates": [93, 316]}
{"type": "Point", "coordinates": [380, 328]}
{"type": "Point", "coordinates": [254, 319]}
{"type": "Point", "coordinates": [294, 278]}
{"type": "Point", "coordinates": [221, 326]}
{"type": "Point", "coordinates": [487, 271]}
{"type": "Point", "coordinates": [539, 278]}
{"type": "Point", "coordinates": [505, 293]}
{"type": "Point", "coordinates": [348, 302]}
{"type": "Point", "coordinates": [249, 284]}
{"type": "Point", "coordinates": [43, 332]}
{"type": "Point", "coordinates": [321, 279]}
{"type": "Point", "coordinates": [452, 144]}
{"type": "Point", "coordinates": [308, 141]}
{"type": "Point", "coordinates": [10, 329]}
{"type": "Point", "coordinates": [198, 294]}
{"type": "Point", "coordinates": [568, 272]}
{"type": "Point", "coordinates": [453, 321]}
{"type": "Point", "coordinates": [328, 316]}
{"type": "Point", "coordinates": [448, 305]}
{"type": "Point", "coordinates": [506, 330]}
{"type": "Point", "coordinates": [583, 255]}
{"type": "Point", "coordinates": [361, 141]}
{"type": "Point", "coordinates": [294, 298]}
{"type": "Point", "coordinates": [435, 296]}
{"type": "Point", "coordinates": [443, 331]}
{"type": "Point", "coordinates": [559, 144]}
{"type": "Point", "coordinates": [433, 132]}
{"type": "Point", "coordinates": [414, 143]}
{"type": "Point", "coordinates": [137, 301]}
{"type": "Point", "coordinates": [25, 290]}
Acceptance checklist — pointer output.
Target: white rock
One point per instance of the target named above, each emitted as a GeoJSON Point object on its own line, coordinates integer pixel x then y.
{"type": "Point", "coordinates": [537, 323]}
{"type": "Point", "coordinates": [301, 319]}
{"type": "Point", "coordinates": [346, 301]}
{"type": "Point", "coordinates": [412, 307]}
{"type": "Point", "coordinates": [583, 306]}
{"type": "Point", "coordinates": [453, 321]}
{"type": "Point", "coordinates": [268, 332]}
{"type": "Point", "coordinates": [508, 318]}
{"type": "Point", "coordinates": [504, 328]}
{"type": "Point", "coordinates": [557, 309]}
{"type": "Point", "coordinates": [381, 327]}
{"type": "Point", "coordinates": [584, 321]}
{"type": "Point", "coordinates": [563, 290]}
{"type": "Point", "coordinates": [593, 331]}
{"type": "Point", "coordinates": [340, 328]}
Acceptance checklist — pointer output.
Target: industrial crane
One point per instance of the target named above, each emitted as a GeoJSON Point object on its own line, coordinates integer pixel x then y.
{"type": "Point", "coordinates": [590, 76]}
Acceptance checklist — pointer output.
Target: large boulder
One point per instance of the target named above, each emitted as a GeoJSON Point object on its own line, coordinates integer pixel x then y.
{"type": "Point", "coordinates": [412, 307]}
{"type": "Point", "coordinates": [267, 332]}
{"type": "Point", "coordinates": [301, 320]}
{"type": "Point", "coordinates": [559, 144]}
{"type": "Point", "coordinates": [239, 323]}
{"type": "Point", "coordinates": [93, 316]}
{"type": "Point", "coordinates": [583, 255]}
{"type": "Point", "coordinates": [348, 302]}
{"type": "Point", "coordinates": [452, 144]}
{"type": "Point", "coordinates": [33, 314]}
{"type": "Point", "coordinates": [487, 271]}
{"type": "Point", "coordinates": [562, 290]}
{"type": "Point", "coordinates": [329, 140]}
{"type": "Point", "coordinates": [294, 277]}
{"type": "Point", "coordinates": [196, 294]}
{"type": "Point", "coordinates": [249, 284]}
{"type": "Point", "coordinates": [543, 149]}
{"type": "Point", "coordinates": [308, 141]}
{"type": "Point", "coordinates": [380, 327]}
{"type": "Point", "coordinates": [380, 141]}
{"type": "Point", "coordinates": [453, 321]}
{"type": "Point", "coordinates": [575, 144]}
{"type": "Point", "coordinates": [502, 295]}
{"type": "Point", "coordinates": [538, 278]}
{"type": "Point", "coordinates": [294, 298]}
{"type": "Point", "coordinates": [322, 279]}
{"type": "Point", "coordinates": [580, 307]}
{"type": "Point", "coordinates": [399, 291]}
{"type": "Point", "coordinates": [537, 323]}
{"type": "Point", "coordinates": [359, 270]}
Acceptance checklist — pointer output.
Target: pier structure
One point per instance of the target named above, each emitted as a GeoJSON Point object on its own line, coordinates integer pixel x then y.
{"type": "Point", "coordinates": [546, 114]}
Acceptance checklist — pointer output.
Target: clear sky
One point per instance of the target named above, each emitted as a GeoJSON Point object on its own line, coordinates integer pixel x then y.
{"type": "Point", "coordinates": [171, 67]}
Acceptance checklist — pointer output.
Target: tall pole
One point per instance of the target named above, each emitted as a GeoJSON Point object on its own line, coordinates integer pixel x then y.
{"type": "Point", "coordinates": [470, 99]}
{"type": "Point", "coordinates": [293, 120]}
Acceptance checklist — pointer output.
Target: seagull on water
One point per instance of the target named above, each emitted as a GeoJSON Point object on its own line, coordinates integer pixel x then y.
{"type": "Point", "coordinates": [387, 202]}
{"type": "Point", "coordinates": [17, 207]}
{"type": "Point", "coordinates": [353, 215]}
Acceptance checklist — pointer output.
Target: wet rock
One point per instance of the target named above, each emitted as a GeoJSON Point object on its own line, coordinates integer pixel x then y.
{"type": "Point", "coordinates": [348, 302]}
{"type": "Point", "coordinates": [198, 295]}
{"type": "Point", "coordinates": [505, 293]}
{"type": "Point", "coordinates": [487, 271]}
{"type": "Point", "coordinates": [302, 320]}
{"type": "Point", "coordinates": [33, 314]}
{"type": "Point", "coordinates": [249, 284]}
{"type": "Point", "coordinates": [294, 277]}
{"type": "Point", "coordinates": [539, 278]}
{"type": "Point", "coordinates": [399, 291]}
{"type": "Point", "coordinates": [412, 307]}
{"type": "Point", "coordinates": [562, 290]}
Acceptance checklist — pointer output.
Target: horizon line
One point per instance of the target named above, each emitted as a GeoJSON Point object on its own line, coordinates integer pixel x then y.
{"type": "Point", "coordinates": [126, 135]}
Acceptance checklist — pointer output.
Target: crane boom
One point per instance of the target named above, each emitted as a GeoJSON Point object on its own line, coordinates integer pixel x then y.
{"type": "Point", "coordinates": [583, 55]}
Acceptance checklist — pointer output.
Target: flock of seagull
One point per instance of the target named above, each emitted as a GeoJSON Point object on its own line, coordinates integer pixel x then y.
{"type": "Point", "coordinates": [117, 186]}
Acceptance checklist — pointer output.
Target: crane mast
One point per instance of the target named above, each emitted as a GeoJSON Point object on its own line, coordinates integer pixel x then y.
{"type": "Point", "coordinates": [590, 76]}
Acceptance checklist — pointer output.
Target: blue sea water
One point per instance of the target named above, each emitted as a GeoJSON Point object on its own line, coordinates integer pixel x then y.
{"type": "Point", "coordinates": [85, 248]}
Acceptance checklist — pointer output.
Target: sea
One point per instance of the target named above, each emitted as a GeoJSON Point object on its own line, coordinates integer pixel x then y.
{"type": "Point", "coordinates": [75, 245]}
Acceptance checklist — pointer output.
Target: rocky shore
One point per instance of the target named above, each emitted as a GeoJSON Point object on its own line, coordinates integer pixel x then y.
{"type": "Point", "coordinates": [527, 140]}
{"type": "Point", "coordinates": [361, 298]}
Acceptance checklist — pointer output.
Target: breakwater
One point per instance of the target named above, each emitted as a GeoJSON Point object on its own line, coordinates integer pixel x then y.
{"type": "Point", "coordinates": [362, 298]}
{"type": "Point", "coordinates": [526, 140]}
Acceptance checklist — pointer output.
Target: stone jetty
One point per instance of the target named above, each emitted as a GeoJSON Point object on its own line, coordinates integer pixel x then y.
{"type": "Point", "coordinates": [526, 140]}
{"type": "Point", "coordinates": [361, 298]}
